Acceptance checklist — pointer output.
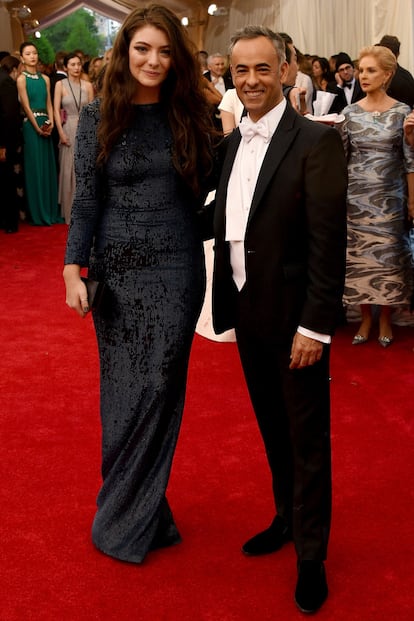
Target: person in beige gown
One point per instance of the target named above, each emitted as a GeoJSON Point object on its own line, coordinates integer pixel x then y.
{"type": "Point", "coordinates": [71, 94]}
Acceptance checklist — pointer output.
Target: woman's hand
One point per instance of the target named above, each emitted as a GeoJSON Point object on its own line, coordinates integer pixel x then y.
{"type": "Point", "coordinates": [76, 293]}
{"type": "Point", "coordinates": [46, 128]}
{"type": "Point", "coordinates": [409, 129]}
{"type": "Point", "coordinates": [64, 139]}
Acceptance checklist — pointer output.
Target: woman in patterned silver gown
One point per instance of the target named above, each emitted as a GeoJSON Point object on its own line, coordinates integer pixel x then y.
{"type": "Point", "coordinates": [381, 180]}
{"type": "Point", "coordinates": [139, 156]}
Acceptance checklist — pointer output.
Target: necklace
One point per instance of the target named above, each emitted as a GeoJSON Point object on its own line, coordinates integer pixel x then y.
{"type": "Point", "coordinates": [77, 103]}
{"type": "Point", "coordinates": [28, 74]}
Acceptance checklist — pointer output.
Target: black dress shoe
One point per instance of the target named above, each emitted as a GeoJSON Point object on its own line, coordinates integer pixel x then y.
{"type": "Point", "coordinates": [311, 589]}
{"type": "Point", "coordinates": [269, 540]}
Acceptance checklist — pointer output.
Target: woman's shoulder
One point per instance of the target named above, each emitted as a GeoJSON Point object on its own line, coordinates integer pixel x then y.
{"type": "Point", "coordinates": [351, 109]}
{"type": "Point", "coordinates": [401, 107]}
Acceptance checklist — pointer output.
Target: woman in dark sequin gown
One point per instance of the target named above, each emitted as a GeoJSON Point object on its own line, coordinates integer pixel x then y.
{"type": "Point", "coordinates": [135, 224]}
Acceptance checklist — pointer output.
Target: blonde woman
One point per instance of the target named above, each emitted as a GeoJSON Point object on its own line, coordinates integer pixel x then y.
{"type": "Point", "coordinates": [381, 180]}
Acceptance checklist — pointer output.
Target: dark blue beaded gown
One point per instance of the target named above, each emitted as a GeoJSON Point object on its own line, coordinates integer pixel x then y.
{"type": "Point", "coordinates": [136, 227]}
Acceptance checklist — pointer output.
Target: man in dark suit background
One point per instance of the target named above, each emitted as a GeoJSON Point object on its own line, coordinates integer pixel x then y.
{"type": "Point", "coordinates": [346, 86]}
{"type": "Point", "coordinates": [10, 143]}
{"type": "Point", "coordinates": [57, 74]}
{"type": "Point", "coordinates": [401, 86]}
{"type": "Point", "coordinates": [278, 279]}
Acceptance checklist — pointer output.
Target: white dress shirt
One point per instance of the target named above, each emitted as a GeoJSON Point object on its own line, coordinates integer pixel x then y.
{"type": "Point", "coordinates": [349, 91]}
{"type": "Point", "coordinates": [242, 183]}
{"type": "Point", "coordinates": [218, 83]}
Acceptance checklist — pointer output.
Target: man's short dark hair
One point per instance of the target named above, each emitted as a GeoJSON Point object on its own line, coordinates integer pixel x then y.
{"type": "Point", "coordinates": [288, 40]}
{"type": "Point", "coordinates": [392, 43]}
{"type": "Point", "coordinates": [253, 32]}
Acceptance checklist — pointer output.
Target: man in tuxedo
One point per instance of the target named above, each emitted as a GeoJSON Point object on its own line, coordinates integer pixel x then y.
{"type": "Point", "coordinates": [10, 143]}
{"type": "Point", "coordinates": [401, 86]}
{"type": "Point", "coordinates": [56, 76]}
{"type": "Point", "coordinates": [346, 86]}
{"type": "Point", "coordinates": [216, 73]}
{"type": "Point", "coordinates": [278, 279]}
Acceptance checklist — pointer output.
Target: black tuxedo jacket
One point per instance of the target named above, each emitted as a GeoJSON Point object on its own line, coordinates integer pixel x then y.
{"type": "Point", "coordinates": [296, 234]}
{"type": "Point", "coordinates": [402, 86]}
{"type": "Point", "coordinates": [55, 77]}
{"type": "Point", "coordinates": [228, 83]}
{"type": "Point", "coordinates": [340, 101]}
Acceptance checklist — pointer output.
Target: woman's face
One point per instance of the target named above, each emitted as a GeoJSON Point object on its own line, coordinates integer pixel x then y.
{"type": "Point", "coordinates": [30, 57]}
{"type": "Point", "coordinates": [74, 67]}
{"type": "Point", "coordinates": [316, 69]}
{"type": "Point", "coordinates": [149, 61]}
{"type": "Point", "coordinates": [97, 65]}
{"type": "Point", "coordinates": [371, 76]}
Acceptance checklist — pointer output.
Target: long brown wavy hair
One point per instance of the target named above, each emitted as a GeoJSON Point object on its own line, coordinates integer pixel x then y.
{"type": "Point", "coordinates": [181, 96]}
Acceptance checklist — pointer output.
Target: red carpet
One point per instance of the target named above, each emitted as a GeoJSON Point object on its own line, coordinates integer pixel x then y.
{"type": "Point", "coordinates": [220, 488]}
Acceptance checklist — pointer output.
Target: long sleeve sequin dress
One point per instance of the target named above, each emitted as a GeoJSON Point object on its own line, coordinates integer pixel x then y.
{"type": "Point", "coordinates": [148, 250]}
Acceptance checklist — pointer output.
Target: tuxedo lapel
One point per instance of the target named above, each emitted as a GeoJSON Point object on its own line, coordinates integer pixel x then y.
{"type": "Point", "coordinates": [358, 93]}
{"type": "Point", "coordinates": [279, 144]}
{"type": "Point", "coordinates": [221, 193]}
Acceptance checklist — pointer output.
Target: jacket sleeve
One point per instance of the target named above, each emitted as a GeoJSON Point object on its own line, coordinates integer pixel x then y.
{"type": "Point", "coordinates": [326, 187]}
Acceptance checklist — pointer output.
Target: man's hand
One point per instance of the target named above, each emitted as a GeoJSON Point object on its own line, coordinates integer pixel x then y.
{"type": "Point", "coordinates": [305, 352]}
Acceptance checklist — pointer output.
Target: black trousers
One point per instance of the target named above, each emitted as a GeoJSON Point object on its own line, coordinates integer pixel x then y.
{"type": "Point", "coordinates": [292, 408]}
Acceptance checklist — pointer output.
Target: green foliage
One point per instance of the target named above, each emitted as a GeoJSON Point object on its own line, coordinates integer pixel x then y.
{"type": "Point", "coordinates": [77, 31]}
{"type": "Point", "coordinates": [45, 49]}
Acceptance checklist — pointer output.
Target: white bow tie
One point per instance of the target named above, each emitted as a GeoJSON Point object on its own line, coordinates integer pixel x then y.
{"type": "Point", "coordinates": [249, 129]}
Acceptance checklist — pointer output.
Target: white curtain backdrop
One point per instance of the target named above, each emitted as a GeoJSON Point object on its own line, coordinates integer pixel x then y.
{"type": "Point", "coordinates": [322, 27]}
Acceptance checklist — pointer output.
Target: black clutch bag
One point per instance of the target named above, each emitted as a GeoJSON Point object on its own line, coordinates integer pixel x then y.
{"type": "Point", "coordinates": [96, 291]}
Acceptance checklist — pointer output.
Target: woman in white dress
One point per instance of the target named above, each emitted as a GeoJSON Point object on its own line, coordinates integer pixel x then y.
{"type": "Point", "coordinates": [231, 110]}
{"type": "Point", "coordinates": [71, 94]}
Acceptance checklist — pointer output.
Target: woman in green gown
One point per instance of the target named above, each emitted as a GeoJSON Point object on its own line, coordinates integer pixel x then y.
{"type": "Point", "coordinates": [39, 160]}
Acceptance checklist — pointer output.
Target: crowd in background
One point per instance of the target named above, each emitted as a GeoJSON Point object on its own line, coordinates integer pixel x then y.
{"type": "Point", "coordinates": [39, 111]}
{"type": "Point", "coordinates": [380, 201]}
{"type": "Point", "coordinates": [37, 165]}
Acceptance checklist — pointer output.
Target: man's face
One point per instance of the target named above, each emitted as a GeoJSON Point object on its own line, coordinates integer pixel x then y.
{"type": "Point", "coordinates": [257, 75]}
{"type": "Point", "coordinates": [217, 66]}
{"type": "Point", "coordinates": [346, 72]}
